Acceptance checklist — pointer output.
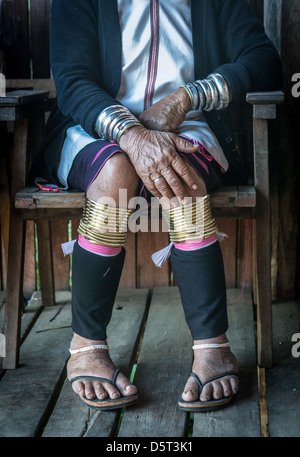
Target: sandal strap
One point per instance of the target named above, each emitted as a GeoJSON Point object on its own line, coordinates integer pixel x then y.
{"type": "Point", "coordinates": [211, 345]}
{"type": "Point", "coordinates": [222, 375]}
{"type": "Point", "coordinates": [98, 378]}
{"type": "Point", "coordinates": [88, 348]}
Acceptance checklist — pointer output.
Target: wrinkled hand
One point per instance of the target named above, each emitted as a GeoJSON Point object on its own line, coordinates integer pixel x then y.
{"type": "Point", "coordinates": [167, 114]}
{"type": "Point", "coordinates": [154, 155]}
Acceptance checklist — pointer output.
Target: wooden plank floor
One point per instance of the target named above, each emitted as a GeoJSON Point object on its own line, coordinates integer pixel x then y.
{"type": "Point", "coordinates": [150, 342]}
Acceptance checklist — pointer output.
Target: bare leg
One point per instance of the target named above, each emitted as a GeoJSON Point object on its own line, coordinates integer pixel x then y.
{"type": "Point", "coordinates": [116, 174]}
{"type": "Point", "coordinates": [211, 362]}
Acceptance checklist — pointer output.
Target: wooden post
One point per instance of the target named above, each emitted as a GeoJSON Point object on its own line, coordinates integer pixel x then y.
{"type": "Point", "coordinates": [263, 243]}
{"type": "Point", "coordinates": [14, 293]}
{"type": "Point", "coordinates": [264, 108]}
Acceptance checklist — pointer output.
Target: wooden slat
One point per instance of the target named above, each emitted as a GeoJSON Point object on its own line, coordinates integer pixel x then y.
{"type": "Point", "coordinates": [262, 240]}
{"type": "Point", "coordinates": [22, 97]}
{"type": "Point", "coordinates": [61, 264]}
{"type": "Point", "coordinates": [4, 202]}
{"type": "Point", "coordinates": [29, 280]}
{"type": "Point", "coordinates": [39, 23]}
{"type": "Point", "coordinates": [129, 277]}
{"type": "Point", "coordinates": [71, 418]}
{"type": "Point", "coordinates": [241, 419]}
{"type": "Point", "coordinates": [43, 356]}
{"type": "Point", "coordinates": [283, 382]}
{"type": "Point", "coordinates": [265, 98]}
{"type": "Point", "coordinates": [244, 256]}
{"type": "Point", "coordinates": [148, 274]}
{"type": "Point", "coordinates": [34, 84]}
{"type": "Point", "coordinates": [29, 198]}
{"type": "Point", "coordinates": [229, 249]}
{"type": "Point", "coordinates": [163, 366]}
{"type": "Point", "coordinates": [22, 111]}
{"type": "Point", "coordinates": [46, 276]}
{"type": "Point", "coordinates": [14, 297]}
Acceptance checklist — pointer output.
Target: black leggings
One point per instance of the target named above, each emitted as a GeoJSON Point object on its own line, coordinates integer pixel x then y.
{"type": "Point", "coordinates": [201, 281]}
{"type": "Point", "coordinates": [199, 275]}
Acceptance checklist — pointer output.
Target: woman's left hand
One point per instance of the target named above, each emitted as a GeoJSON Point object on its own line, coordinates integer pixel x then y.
{"type": "Point", "coordinates": [167, 114]}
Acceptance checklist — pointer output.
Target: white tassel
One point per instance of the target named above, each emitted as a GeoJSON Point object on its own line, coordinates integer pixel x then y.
{"type": "Point", "coordinates": [161, 256]}
{"type": "Point", "coordinates": [68, 247]}
{"type": "Point", "coordinates": [221, 236]}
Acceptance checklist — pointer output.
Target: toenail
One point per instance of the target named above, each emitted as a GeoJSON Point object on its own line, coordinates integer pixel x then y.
{"type": "Point", "coordinates": [189, 391]}
{"type": "Point", "coordinates": [129, 388]}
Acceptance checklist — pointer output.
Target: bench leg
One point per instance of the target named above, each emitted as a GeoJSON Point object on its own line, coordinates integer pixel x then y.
{"type": "Point", "coordinates": [45, 262]}
{"type": "Point", "coordinates": [263, 298]}
{"type": "Point", "coordinates": [15, 263]}
{"type": "Point", "coordinates": [14, 291]}
{"type": "Point", "coordinates": [262, 247]}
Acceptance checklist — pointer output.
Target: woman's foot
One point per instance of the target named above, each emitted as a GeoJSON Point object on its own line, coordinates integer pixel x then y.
{"type": "Point", "coordinates": [95, 362]}
{"type": "Point", "coordinates": [210, 362]}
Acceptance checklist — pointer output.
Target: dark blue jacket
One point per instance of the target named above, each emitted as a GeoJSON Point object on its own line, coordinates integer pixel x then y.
{"type": "Point", "coordinates": [85, 51]}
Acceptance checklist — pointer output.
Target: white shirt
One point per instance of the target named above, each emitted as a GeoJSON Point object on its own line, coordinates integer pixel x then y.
{"type": "Point", "coordinates": [157, 58]}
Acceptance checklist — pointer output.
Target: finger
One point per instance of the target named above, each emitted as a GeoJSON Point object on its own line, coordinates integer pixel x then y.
{"type": "Point", "coordinates": [172, 181]}
{"type": "Point", "coordinates": [184, 172]}
{"type": "Point", "coordinates": [151, 187]}
{"type": "Point", "coordinates": [183, 145]}
{"type": "Point", "coordinates": [160, 185]}
{"type": "Point", "coordinates": [164, 188]}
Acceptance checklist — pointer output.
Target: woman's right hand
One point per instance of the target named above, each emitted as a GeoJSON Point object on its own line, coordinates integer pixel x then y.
{"type": "Point", "coordinates": [154, 155]}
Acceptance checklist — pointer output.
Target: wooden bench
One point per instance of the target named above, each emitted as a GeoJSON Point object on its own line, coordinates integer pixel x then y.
{"type": "Point", "coordinates": [250, 202]}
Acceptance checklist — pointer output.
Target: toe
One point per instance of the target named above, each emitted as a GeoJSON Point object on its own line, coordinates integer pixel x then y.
{"type": "Point", "coordinates": [190, 392]}
{"type": "Point", "coordinates": [234, 383]}
{"type": "Point", "coordinates": [89, 390]}
{"type": "Point", "coordinates": [112, 391]}
{"type": "Point", "coordinates": [206, 393]}
{"type": "Point", "coordinates": [217, 392]}
{"type": "Point", "coordinates": [78, 388]}
{"type": "Point", "coordinates": [100, 391]}
{"type": "Point", "coordinates": [125, 387]}
{"type": "Point", "coordinates": [226, 386]}
{"type": "Point", "coordinates": [130, 389]}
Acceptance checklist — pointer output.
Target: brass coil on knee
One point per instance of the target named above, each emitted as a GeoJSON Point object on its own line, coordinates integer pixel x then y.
{"type": "Point", "coordinates": [191, 222]}
{"type": "Point", "coordinates": [103, 224]}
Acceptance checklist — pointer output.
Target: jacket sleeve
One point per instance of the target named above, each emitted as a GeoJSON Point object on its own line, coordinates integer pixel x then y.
{"type": "Point", "coordinates": [252, 61]}
{"type": "Point", "coordinates": [75, 61]}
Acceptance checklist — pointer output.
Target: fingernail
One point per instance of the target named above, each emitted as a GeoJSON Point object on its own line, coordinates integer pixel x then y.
{"type": "Point", "coordinates": [194, 186]}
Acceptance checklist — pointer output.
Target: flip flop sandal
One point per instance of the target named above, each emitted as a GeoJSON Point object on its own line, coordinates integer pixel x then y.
{"type": "Point", "coordinates": [211, 405]}
{"type": "Point", "coordinates": [106, 403]}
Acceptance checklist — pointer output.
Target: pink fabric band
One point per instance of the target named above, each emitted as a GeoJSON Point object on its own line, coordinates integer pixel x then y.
{"type": "Point", "coordinates": [193, 245]}
{"type": "Point", "coordinates": [97, 248]}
